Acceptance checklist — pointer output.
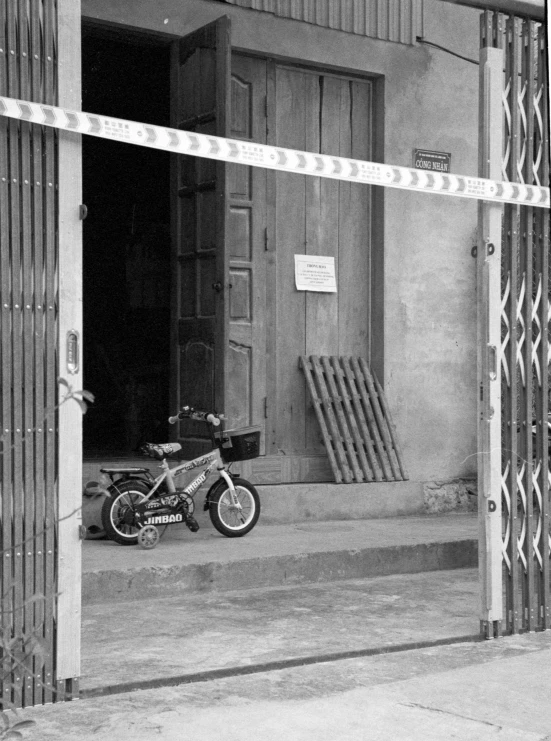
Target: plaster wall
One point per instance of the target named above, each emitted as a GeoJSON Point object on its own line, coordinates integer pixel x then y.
{"type": "Point", "coordinates": [430, 102]}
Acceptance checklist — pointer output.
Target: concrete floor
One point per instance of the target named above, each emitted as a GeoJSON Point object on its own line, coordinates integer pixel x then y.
{"type": "Point", "coordinates": [297, 655]}
{"type": "Point", "coordinates": [150, 642]}
{"type": "Point", "coordinates": [467, 690]}
{"type": "Point", "coordinates": [277, 555]}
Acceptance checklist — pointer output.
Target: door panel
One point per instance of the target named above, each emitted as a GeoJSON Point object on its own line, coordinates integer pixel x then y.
{"type": "Point", "coordinates": [246, 186]}
{"type": "Point", "coordinates": [200, 85]}
{"type": "Point", "coordinates": [318, 216]}
{"type": "Point", "coordinates": [237, 228]}
{"type": "Point", "coordinates": [295, 129]}
{"type": "Point", "coordinates": [355, 230]}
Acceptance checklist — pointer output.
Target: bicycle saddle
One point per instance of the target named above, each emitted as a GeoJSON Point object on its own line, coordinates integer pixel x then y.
{"type": "Point", "coordinates": [160, 450]}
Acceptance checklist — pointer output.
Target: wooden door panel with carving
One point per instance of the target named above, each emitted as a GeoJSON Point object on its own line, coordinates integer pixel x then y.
{"type": "Point", "coordinates": [200, 86]}
{"type": "Point", "coordinates": [246, 189]}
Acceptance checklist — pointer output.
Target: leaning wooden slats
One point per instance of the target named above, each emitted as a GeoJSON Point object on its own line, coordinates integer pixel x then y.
{"type": "Point", "coordinates": [354, 420]}
{"type": "Point", "coordinates": [375, 437]}
{"type": "Point", "coordinates": [382, 422]}
{"type": "Point", "coordinates": [393, 448]}
{"type": "Point", "coordinates": [322, 407]}
{"type": "Point", "coordinates": [373, 467]}
{"type": "Point", "coordinates": [363, 465]}
{"type": "Point", "coordinates": [323, 426]}
{"type": "Point", "coordinates": [338, 409]}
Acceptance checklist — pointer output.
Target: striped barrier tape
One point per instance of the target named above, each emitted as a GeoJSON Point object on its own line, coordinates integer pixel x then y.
{"type": "Point", "coordinates": [274, 158]}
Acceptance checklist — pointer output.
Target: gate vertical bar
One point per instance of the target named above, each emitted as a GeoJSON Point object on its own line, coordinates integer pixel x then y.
{"type": "Point", "coordinates": [28, 345]}
{"type": "Point", "coordinates": [542, 317]}
{"type": "Point", "coordinates": [70, 359]}
{"type": "Point", "coordinates": [27, 313]}
{"type": "Point", "coordinates": [5, 371]}
{"type": "Point", "coordinates": [526, 396]}
{"type": "Point", "coordinates": [49, 175]}
{"type": "Point", "coordinates": [38, 338]}
{"type": "Point", "coordinates": [511, 311]}
{"type": "Point", "coordinates": [525, 318]}
{"type": "Point", "coordinates": [536, 235]}
{"type": "Point", "coordinates": [17, 486]}
{"type": "Point", "coordinates": [489, 346]}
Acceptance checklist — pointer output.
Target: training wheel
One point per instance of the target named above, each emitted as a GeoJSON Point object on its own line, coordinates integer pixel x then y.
{"type": "Point", "coordinates": [148, 537]}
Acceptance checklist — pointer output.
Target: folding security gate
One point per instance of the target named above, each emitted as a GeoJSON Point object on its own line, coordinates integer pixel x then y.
{"type": "Point", "coordinates": [40, 327]}
{"type": "Point", "coordinates": [521, 597]}
{"type": "Point", "coordinates": [39, 342]}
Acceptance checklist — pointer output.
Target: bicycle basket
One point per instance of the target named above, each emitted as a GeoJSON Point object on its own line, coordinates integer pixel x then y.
{"type": "Point", "coordinates": [239, 445]}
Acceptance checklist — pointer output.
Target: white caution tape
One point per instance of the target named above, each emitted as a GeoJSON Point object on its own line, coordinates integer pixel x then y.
{"type": "Point", "coordinates": [274, 158]}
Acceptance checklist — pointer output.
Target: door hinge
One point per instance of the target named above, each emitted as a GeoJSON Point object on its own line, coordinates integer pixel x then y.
{"type": "Point", "coordinates": [266, 106]}
{"type": "Point", "coordinates": [265, 238]}
{"type": "Point", "coordinates": [265, 407]}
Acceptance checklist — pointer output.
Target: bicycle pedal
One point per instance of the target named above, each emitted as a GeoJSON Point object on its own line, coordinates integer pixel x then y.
{"type": "Point", "coordinates": [192, 524]}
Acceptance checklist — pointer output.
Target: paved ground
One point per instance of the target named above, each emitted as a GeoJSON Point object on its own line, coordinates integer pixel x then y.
{"type": "Point", "coordinates": [151, 641]}
{"type": "Point", "coordinates": [383, 658]}
{"type": "Point", "coordinates": [467, 691]}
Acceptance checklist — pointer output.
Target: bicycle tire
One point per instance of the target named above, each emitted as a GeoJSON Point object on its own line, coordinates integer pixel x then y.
{"type": "Point", "coordinates": [115, 507]}
{"type": "Point", "coordinates": [224, 517]}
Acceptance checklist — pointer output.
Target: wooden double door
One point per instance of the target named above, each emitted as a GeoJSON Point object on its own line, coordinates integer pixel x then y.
{"type": "Point", "coordinates": [240, 325]}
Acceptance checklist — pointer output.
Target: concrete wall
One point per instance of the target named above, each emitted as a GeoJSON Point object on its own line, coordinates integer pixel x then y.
{"type": "Point", "coordinates": [430, 101]}
{"type": "Point", "coordinates": [430, 310]}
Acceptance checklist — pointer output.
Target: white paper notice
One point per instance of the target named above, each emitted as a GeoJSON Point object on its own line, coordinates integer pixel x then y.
{"type": "Point", "coordinates": [314, 273]}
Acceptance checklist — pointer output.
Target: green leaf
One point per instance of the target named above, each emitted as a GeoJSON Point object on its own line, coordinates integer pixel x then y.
{"type": "Point", "coordinates": [63, 382]}
{"type": "Point", "coordinates": [12, 734]}
{"type": "Point", "coordinates": [89, 396]}
{"type": "Point", "coordinates": [39, 646]}
{"type": "Point", "coordinates": [4, 720]}
{"type": "Point", "coordinates": [23, 724]}
{"type": "Point", "coordinates": [19, 655]}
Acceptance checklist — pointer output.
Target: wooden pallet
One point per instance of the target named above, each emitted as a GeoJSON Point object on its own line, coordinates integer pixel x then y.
{"type": "Point", "coordinates": [354, 420]}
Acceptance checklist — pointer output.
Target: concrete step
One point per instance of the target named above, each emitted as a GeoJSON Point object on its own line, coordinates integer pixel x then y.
{"type": "Point", "coordinates": [277, 555]}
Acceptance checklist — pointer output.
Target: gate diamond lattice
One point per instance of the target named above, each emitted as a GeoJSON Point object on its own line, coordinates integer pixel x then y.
{"type": "Point", "coordinates": [525, 317]}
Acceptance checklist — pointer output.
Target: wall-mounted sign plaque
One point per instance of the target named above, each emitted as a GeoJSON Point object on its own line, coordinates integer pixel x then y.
{"type": "Point", "coordinates": [426, 159]}
{"type": "Point", "coordinates": [315, 273]}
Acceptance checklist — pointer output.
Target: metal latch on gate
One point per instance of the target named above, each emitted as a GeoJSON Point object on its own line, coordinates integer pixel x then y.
{"type": "Point", "coordinates": [73, 351]}
{"type": "Point", "coordinates": [492, 362]}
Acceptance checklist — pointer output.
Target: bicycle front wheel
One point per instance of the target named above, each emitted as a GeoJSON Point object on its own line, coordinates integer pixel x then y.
{"type": "Point", "coordinates": [234, 519]}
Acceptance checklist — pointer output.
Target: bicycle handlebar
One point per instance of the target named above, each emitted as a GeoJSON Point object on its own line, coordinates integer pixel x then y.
{"type": "Point", "coordinates": [191, 413]}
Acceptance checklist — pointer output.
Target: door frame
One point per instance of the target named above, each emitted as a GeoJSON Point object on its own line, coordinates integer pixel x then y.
{"type": "Point", "coordinates": [69, 450]}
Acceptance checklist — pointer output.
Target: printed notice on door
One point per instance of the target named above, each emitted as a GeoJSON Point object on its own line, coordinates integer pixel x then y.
{"type": "Point", "coordinates": [315, 273]}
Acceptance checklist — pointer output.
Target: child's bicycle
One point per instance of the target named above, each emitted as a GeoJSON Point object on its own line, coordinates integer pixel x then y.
{"type": "Point", "coordinates": [139, 502]}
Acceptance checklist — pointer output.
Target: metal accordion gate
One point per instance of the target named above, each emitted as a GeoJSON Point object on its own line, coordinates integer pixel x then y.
{"type": "Point", "coordinates": [524, 590]}
{"type": "Point", "coordinates": [35, 517]}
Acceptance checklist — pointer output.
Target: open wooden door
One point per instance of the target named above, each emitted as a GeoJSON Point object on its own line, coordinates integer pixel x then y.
{"type": "Point", "coordinates": [200, 86]}
{"type": "Point", "coordinates": [245, 381]}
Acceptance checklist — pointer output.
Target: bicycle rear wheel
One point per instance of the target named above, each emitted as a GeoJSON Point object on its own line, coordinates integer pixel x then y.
{"type": "Point", "coordinates": [118, 511]}
{"type": "Point", "coordinates": [229, 519]}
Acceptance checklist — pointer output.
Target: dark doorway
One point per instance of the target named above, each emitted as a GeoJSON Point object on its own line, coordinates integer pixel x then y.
{"type": "Point", "coordinates": [126, 247]}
